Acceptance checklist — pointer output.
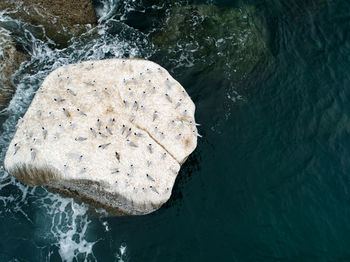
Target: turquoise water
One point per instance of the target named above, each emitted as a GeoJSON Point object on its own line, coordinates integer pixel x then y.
{"type": "Point", "coordinates": [269, 180]}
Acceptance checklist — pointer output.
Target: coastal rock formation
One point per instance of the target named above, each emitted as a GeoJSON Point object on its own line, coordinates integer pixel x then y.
{"type": "Point", "coordinates": [10, 60]}
{"type": "Point", "coordinates": [113, 132]}
{"type": "Point", "coordinates": [60, 20]}
{"type": "Point", "coordinates": [209, 37]}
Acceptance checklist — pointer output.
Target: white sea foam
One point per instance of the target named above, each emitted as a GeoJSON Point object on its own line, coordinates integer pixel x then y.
{"type": "Point", "coordinates": [13, 203]}
{"type": "Point", "coordinates": [121, 254]}
{"type": "Point", "coordinates": [106, 9]}
{"type": "Point", "coordinates": [60, 222]}
{"type": "Point", "coordinates": [105, 224]}
{"type": "Point", "coordinates": [69, 228]}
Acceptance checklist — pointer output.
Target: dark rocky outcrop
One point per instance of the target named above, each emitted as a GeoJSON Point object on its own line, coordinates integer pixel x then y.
{"type": "Point", "coordinates": [10, 60]}
{"type": "Point", "coordinates": [214, 38]}
{"type": "Point", "coordinates": [60, 19]}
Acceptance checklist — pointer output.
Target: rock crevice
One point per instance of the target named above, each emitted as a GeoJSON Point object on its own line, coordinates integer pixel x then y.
{"type": "Point", "coordinates": [155, 140]}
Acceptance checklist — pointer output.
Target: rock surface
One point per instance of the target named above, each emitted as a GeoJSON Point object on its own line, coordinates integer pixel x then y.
{"type": "Point", "coordinates": [205, 36]}
{"type": "Point", "coordinates": [10, 60]}
{"type": "Point", "coordinates": [60, 20]}
{"type": "Point", "coordinates": [113, 132]}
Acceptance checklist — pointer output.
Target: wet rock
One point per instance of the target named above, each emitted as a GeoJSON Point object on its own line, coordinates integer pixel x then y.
{"type": "Point", "coordinates": [112, 132]}
{"type": "Point", "coordinates": [60, 20]}
{"type": "Point", "coordinates": [10, 60]}
{"type": "Point", "coordinates": [203, 37]}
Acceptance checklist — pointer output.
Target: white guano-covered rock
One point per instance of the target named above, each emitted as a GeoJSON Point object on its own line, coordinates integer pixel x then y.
{"type": "Point", "coordinates": [113, 132]}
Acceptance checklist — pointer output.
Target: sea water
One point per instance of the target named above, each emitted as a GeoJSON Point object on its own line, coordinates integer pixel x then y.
{"type": "Point", "coordinates": [270, 178]}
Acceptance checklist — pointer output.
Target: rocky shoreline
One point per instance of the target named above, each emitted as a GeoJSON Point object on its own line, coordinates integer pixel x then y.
{"type": "Point", "coordinates": [237, 43]}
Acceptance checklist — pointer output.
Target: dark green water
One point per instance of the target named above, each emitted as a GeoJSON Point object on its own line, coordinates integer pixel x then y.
{"type": "Point", "coordinates": [269, 180]}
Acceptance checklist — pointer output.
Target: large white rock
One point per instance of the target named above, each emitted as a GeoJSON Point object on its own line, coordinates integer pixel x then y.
{"type": "Point", "coordinates": [113, 132]}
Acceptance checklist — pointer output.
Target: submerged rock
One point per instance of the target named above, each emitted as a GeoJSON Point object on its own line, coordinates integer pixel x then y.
{"type": "Point", "coordinates": [214, 38]}
{"type": "Point", "coordinates": [60, 20]}
{"type": "Point", "coordinates": [113, 132]}
{"type": "Point", "coordinates": [10, 60]}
